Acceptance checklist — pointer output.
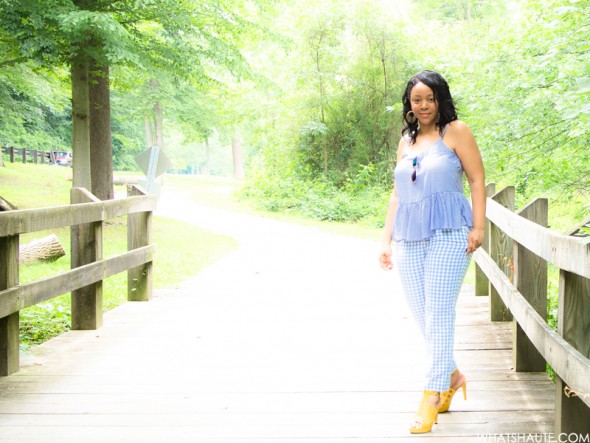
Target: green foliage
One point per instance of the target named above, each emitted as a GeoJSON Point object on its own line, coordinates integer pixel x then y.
{"type": "Point", "coordinates": [44, 321]}
{"type": "Point", "coordinates": [34, 108]}
{"type": "Point", "coordinates": [315, 88]}
{"type": "Point", "coordinates": [520, 84]}
{"type": "Point", "coordinates": [361, 200]}
{"type": "Point", "coordinates": [191, 44]}
{"type": "Point", "coordinates": [450, 11]}
{"type": "Point", "coordinates": [328, 152]}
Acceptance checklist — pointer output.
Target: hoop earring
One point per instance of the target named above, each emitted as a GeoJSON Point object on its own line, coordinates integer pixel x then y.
{"type": "Point", "coordinates": [411, 117]}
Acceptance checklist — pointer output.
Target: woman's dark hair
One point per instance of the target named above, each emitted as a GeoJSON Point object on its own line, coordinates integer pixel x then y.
{"type": "Point", "coordinates": [442, 95]}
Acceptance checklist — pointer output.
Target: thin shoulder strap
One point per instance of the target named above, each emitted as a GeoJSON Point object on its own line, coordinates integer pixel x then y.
{"type": "Point", "coordinates": [442, 134]}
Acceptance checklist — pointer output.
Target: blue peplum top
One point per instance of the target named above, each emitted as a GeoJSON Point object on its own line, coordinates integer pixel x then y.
{"type": "Point", "coordinates": [435, 200]}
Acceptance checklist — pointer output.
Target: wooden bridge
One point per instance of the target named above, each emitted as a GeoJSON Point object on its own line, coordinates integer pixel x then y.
{"type": "Point", "coordinates": [297, 336]}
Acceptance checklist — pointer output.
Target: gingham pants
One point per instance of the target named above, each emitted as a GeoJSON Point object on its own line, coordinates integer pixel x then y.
{"type": "Point", "coordinates": [431, 272]}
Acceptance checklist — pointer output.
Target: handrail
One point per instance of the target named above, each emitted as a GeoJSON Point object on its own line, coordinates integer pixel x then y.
{"type": "Point", "coordinates": [32, 220]}
{"type": "Point", "coordinates": [85, 217]}
{"type": "Point", "coordinates": [19, 297]}
{"type": "Point", "coordinates": [566, 360]}
{"type": "Point", "coordinates": [512, 269]}
{"type": "Point", "coordinates": [561, 250]}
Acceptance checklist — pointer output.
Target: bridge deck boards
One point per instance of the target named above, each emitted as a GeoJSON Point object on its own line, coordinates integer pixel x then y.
{"type": "Point", "coordinates": [297, 349]}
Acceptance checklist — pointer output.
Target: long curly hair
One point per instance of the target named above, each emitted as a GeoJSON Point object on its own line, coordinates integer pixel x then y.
{"type": "Point", "coordinates": [442, 95]}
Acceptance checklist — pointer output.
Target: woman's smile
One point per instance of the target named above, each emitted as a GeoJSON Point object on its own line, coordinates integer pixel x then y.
{"type": "Point", "coordinates": [423, 103]}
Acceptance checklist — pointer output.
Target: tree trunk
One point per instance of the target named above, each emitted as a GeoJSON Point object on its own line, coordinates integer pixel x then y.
{"type": "Point", "coordinates": [158, 117]}
{"type": "Point", "coordinates": [158, 125]}
{"type": "Point", "coordinates": [80, 125]}
{"type": "Point", "coordinates": [207, 157]}
{"type": "Point", "coordinates": [127, 179]}
{"type": "Point", "coordinates": [149, 134]}
{"type": "Point", "coordinates": [236, 147]}
{"type": "Point", "coordinates": [44, 249]}
{"type": "Point", "coordinates": [101, 147]}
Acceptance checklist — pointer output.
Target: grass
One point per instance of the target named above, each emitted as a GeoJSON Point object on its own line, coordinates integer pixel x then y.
{"type": "Point", "coordinates": [34, 186]}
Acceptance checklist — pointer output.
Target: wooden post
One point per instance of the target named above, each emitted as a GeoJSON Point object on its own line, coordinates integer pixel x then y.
{"type": "Point", "coordinates": [11, 154]}
{"type": "Point", "coordinates": [482, 284]}
{"type": "Point", "coordinates": [139, 233]}
{"type": "Point", "coordinates": [501, 253]}
{"type": "Point", "coordinates": [86, 247]}
{"type": "Point", "coordinates": [530, 278]}
{"type": "Point", "coordinates": [35, 156]}
{"type": "Point", "coordinates": [572, 414]}
{"type": "Point", "coordinates": [9, 334]}
{"type": "Point", "coordinates": [24, 155]}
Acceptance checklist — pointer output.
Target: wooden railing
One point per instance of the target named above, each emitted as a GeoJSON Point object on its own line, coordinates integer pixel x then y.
{"type": "Point", "coordinates": [85, 216]}
{"type": "Point", "coordinates": [27, 155]}
{"type": "Point", "coordinates": [512, 269]}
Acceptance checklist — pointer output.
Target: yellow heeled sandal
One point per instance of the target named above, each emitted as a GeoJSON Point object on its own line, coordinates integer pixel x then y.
{"type": "Point", "coordinates": [447, 396]}
{"type": "Point", "coordinates": [426, 416]}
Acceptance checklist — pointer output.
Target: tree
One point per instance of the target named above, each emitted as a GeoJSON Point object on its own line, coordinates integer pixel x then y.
{"type": "Point", "coordinates": [180, 38]}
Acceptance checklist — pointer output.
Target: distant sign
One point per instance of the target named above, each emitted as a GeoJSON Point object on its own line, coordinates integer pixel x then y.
{"type": "Point", "coordinates": [162, 162]}
{"type": "Point", "coordinates": [153, 163]}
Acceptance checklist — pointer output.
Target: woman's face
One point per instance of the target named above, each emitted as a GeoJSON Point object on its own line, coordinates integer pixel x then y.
{"type": "Point", "coordinates": [423, 104]}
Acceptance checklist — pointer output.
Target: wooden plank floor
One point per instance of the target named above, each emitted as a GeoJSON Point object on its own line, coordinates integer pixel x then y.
{"type": "Point", "coordinates": [296, 336]}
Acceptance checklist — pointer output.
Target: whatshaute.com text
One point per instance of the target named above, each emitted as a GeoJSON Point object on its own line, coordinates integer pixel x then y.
{"type": "Point", "coordinates": [535, 438]}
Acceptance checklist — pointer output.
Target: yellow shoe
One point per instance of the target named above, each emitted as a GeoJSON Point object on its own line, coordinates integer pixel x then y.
{"type": "Point", "coordinates": [426, 416]}
{"type": "Point", "coordinates": [447, 396]}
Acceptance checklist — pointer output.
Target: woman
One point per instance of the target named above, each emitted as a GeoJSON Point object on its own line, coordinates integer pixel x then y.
{"type": "Point", "coordinates": [434, 228]}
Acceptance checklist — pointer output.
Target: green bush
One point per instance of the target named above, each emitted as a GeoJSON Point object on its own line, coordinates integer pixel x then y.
{"type": "Point", "coordinates": [360, 200]}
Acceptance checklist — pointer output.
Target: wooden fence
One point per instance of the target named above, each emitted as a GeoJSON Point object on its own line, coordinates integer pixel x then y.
{"type": "Point", "coordinates": [512, 269]}
{"type": "Point", "coordinates": [28, 155]}
{"type": "Point", "coordinates": [85, 216]}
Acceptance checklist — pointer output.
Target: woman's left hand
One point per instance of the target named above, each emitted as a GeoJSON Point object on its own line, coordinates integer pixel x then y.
{"type": "Point", "coordinates": [474, 240]}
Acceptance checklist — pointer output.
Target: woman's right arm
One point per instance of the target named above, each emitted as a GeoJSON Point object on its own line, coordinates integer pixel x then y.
{"type": "Point", "coordinates": [385, 256]}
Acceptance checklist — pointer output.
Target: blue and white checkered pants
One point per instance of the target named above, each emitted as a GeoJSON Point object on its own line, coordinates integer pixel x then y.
{"type": "Point", "coordinates": [431, 272]}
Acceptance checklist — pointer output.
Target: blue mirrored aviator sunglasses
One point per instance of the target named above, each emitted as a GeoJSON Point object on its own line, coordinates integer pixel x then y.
{"type": "Point", "coordinates": [414, 163]}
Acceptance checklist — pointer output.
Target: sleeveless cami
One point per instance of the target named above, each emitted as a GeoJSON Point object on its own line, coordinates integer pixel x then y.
{"type": "Point", "coordinates": [435, 200]}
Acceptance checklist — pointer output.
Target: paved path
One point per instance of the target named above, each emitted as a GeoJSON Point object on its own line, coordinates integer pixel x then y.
{"type": "Point", "coordinates": [295, 336]}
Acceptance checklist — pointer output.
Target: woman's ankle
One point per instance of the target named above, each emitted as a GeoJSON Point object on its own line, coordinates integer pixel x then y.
{"type": "Point", "coordinates": [434, 399]}
{"type": "Point", "coordinates": [457, 379]}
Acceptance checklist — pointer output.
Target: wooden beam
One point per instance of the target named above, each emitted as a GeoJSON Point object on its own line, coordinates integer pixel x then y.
{"type": "Point", "coordinates": [19, 297]}
{"type": "Point", "coordinates": [9, 322]}
{"type": "Point", "coordinates": [571, 414]}
{"type": "Point", "coordinates": [139, 233]}
{"type": "Point", "coordinates": [530, 278]}
{"type": "Point", "coordinates": [567, 361]}
{"type": "Point", "coordinates": [32, 220]}
{"type": "Point", "coordinates": [86, 247]}
{"type": "Point", "coordinates": [482, 285]}
{"type": "Point", "coordinates": [501, 249]}
{"type": "Point", "coordinates": [569, 253]}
